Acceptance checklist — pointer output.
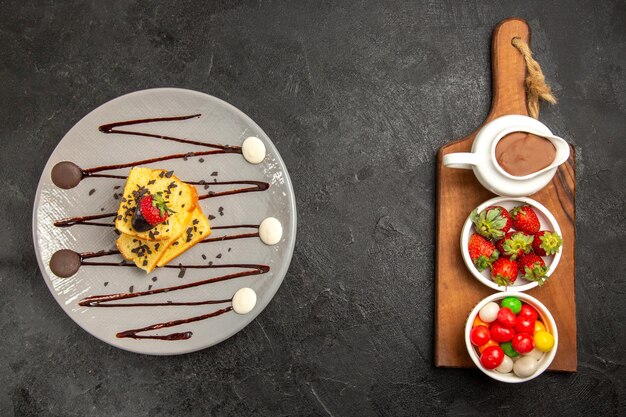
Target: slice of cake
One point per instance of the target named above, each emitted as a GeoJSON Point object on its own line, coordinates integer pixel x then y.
{"type": "Point", "coordinates": [197, 229]}
{"type": "Point", "coordinates": [159, 218]}
{"type": "Point", "coordinates": [165, 193]}
{"type": "Point", "coordinates": [145, 253]}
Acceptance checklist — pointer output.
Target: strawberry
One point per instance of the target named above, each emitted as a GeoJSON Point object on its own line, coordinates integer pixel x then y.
{"type": "Point", "coordinates": [525, 219]}
{"type": "Point", "coordinates": [504, 272]}
{"type": "Point", "coordinates": [533, 268]}
{"type": "Point", "coordinates": [492, 223]}
{"type": "Point", "coordinates": [481, 251]}
{"type": "Point", "coordinates": [505, 213]}
{"type": "Point", "coordinates": [546, 243]}
{"type": "Point", "coordinates": [514, 244]}
{"type": "Point", "coordinates": [151, 210]}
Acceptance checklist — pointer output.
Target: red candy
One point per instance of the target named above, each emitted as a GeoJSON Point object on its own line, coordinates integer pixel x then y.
{"type": "Point", "coordinates": [479, 335]}
{"type": "Point", "coordinates": [501, 333]}
{"type": "Point", "coordinates": [492, 357]}
{"type": "Point", "coordinates": [523, 343]}
{"type": "Point", "coordinates": [506, 317]}
{"type": "Point", "coordinates": [528, 312]}
{"type": "Point", "coordinates": [524, 325]}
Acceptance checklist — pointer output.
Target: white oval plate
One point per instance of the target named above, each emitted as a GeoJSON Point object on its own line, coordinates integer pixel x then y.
{"type": "Point", "coordinates": [86, 146]}
{"type": "Point", "coordinates": [547, 221]}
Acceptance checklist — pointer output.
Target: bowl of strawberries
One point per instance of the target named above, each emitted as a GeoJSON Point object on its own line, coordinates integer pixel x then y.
{"type": "Point", "coordinates": [511, 243]}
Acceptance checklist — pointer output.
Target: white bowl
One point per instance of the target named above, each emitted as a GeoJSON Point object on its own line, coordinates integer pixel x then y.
{"type": "Point", "coordinates": [545, 317]}
{"type": "Point", "coordinates": [548, 222]}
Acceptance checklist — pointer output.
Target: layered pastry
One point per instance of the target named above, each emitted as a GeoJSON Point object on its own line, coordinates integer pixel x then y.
{"type": "Point", "coordinates": [158, 218]}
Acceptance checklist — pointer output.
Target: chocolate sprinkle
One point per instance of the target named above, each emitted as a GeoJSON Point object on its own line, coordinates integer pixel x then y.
{"type": "Point", "coordinates": [204, 256]}
{"type": "Point", "coordinates": [214, 174]}
{"type": "Point", "coordinates": [154, 279]}
{"type": "Point", "coordinates": [93, 190]}
{"type": "Point", "coordinates": [169, 174]}
{"type": "Point", "coordinates": [182, 271]}
{"type": "Point", "coordinates": [211, 217]}
{"type": "Point", "coordinates": [106, 283]}
{"type": "Point", "coordinates": [131, 289]}
{"type": "Point", "coordinates": [219, 255]}
{"type": "Point", "coordinates": [201, 160]}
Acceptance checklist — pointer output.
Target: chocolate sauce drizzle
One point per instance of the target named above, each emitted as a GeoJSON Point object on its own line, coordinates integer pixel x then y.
{"type": "Point", "coordinates": [74, 174]}
{"type": "Point", "coordinates": [232, 237]}
{"type": "Point", "coordinates": [108, 300]}
{"type": "Point", "coordinates": [134, 333]}
{"type": "Point", "coordinates": [111, 128]}
{"type": "Point", "coordinates": [87, 220]}
{"type": "Point", "coordinates": [257, 186]}
{"type": "Point", "coordinates": [104, 301]}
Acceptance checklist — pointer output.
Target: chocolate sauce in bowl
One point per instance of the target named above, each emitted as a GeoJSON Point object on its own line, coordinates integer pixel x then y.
{"type": "Point", "coordinates": [522, 153]}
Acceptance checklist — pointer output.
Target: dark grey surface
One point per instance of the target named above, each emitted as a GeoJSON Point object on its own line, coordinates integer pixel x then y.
{"type": "Point", "coordinates": [358, 97]}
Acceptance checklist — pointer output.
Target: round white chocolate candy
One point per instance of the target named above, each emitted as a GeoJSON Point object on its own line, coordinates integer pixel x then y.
{"type": "Point", "coordinates": [489, 312]}
{"type": "Point", "coordinates": [244, 300]}
{"type": "Point", "coordinates": [506, 366]}
{"type": "Point", "coordinates": [536, 354]}
{"type": "Point", "coordinates": [526, 366]}
{"type": "Point", "coordinates": [270, 231]}
{"type": "Point", "coordinates": [253, 150]}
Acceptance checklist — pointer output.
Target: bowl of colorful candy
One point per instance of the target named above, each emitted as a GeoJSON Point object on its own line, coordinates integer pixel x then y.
{"type": "Point", "coordinates": [511, 243]}
{"type": "Point", "coordinates": [511, 337]}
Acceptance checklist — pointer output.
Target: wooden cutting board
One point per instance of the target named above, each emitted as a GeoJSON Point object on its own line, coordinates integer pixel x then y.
{"type": "Point", "coordinates": [458, 193]}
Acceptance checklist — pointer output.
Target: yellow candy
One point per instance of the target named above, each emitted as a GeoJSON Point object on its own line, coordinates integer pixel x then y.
{"type": "Point", "coordinates": [539, 327]}
{"type": "Point", "coordinates": [544, 341]}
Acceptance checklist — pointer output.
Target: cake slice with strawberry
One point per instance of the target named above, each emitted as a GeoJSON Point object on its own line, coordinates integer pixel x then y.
{"type": "Point", "coordinates": [159, 218]}
{"type": "Point", "coordinates": [155, 205]}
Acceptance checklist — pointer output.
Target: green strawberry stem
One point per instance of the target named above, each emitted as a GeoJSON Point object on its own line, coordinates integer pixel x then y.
{"type": "Point", "coordinates": [550, 242]}
{"type": "Point", "coordinates": [161, 204]}
{"type": "Point", "coordinates": [502, 281]}
{"type": "Point", "coordinates": [537, 273]}
{"type": "Point", "coordinates": [517, 242]}
{"type": "Point", "coordinates": [489, 223]}
{"type": "Point", "coordinates": [482, 262]}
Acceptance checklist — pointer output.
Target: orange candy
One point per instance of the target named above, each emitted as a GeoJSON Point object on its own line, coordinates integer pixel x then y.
{"type": "Point", "coordinates": [486, 345]}
{"type": "Point", "coordinates": [479, 322]}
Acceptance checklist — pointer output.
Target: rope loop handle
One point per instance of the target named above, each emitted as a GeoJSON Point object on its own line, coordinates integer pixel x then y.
{"type": "Point", "coordinates": [536, 86]}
